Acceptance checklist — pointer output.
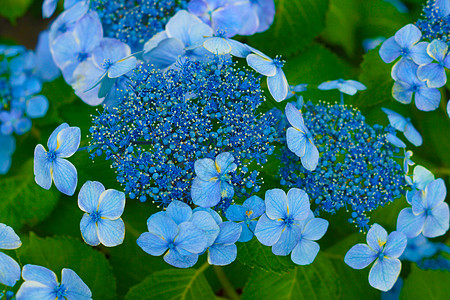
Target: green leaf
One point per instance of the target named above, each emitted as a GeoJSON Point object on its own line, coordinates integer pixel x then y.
{"type": "Point", "coordinates": [57, 253]}
{"type": "Point", "coordinates": [13, 9]}
{"type": "Point", "coordinates": [23, 201]}
{"type": "Point", "coordinates": [173, 284]}
{"type": "Point", "coordinates": [315, 281]}
{"type": "Point", "coordinates": [254, 254]}
{"type": "Point", "coordinates": [422, 284]}
{"type": "Point", "coordinates": [296, 24]}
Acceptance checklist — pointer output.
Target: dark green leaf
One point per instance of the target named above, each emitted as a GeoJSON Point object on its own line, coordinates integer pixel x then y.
{"type": "Point", "coordinates": [422, 284]}
{"type": "Point", "coordinates": [13, 9]}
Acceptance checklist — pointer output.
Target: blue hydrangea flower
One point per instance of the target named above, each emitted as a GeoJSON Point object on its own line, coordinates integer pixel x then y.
{"type": "Point", "coordinates": [213, 182]}
{"type": "Point", "coordinates": [300, 140]}
{"type": "Point", "coordinates": [426, 98]}
{"type": "Point", "coordinates": [349, 87]}
{"type": "Point", "coordinates": [9, 268]}
{"type": "Point", "coordinates": [280, 226]}
{"type": "Point", "coordinates": [224, 251]}
{"type": "Point", "coordinates": [51, 165]}
{"type": "Point", "coordinates": [7, 148]}
{"type": "Point", "coordinates": [382, 249]}
{"type": "Point", "coordinates": [219, 44]}
{"type": "Point", "coordinates": [404, 125]}
{"type": "Point", "coordinates": [420, 179]}
{"type": "Point", "coordinates": [429, 213]}
{"type": "Point", "coordinates": [434, 73]}
{"type": "Point", "coordinates": [245, 214]}
{"type": "Point", "coordinates": [42, 283]}
{"type": "Point", "coordinates": [419, 248]}
{"type": "Point", "coordinates": [272, 68]}
{"type": "Point", "coordinates": [67, 20]}
{"type": "Point", "coordinates": [434, 22]}
{"type": "Point", "coordinates": [101, 222]}
{"type": "Point", "coordinates": [14, 121]}
{"type": "Point", "coordinates": [307, 249]}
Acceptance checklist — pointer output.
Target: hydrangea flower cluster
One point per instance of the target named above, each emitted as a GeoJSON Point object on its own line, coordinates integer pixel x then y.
{"type": "Point", "coordinates": [349, 148]}
{"type": "Point", "coordinates": [22, 73]}
{"type": "Point", "coordinates": [168, 121]}
{"type": "Point", "coordinates": [435, 20]}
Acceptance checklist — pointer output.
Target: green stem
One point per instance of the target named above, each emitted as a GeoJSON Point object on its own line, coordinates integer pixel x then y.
{"type": "Point", "coordinates": [226, 284]}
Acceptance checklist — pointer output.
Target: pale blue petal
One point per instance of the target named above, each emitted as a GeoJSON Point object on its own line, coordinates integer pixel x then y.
{"type": "Point", "coordinates": [8, 238]}
{"type": "Point", "coordinates": [9, 270]}
{"type": "Point", "coordinates": [33, 290]}
{"type": "Point", "coordinates": [255, 205]}
{"type": "Point", "coordinates": [236, 213]}
{"type": "Point", "coordinates": [76, 288]}
{"type": "Point", "coordinates": [437, 49]}
{"type": "Point", "coordinates": [206, 193]}
{"type": "Point", "coordinates": [356, 84]}
{"type": "Point", "coordinates": [37, 106]}
{"type": "Point", "coordinates": [305, 252]}
{"type": "Point", "coordinates": [106, 84]}
{"type": "Point", "coordinates": [347, 89]}
{"type": "Point", "coordinates": [261, 64]}
{"type": "Point", "coordinates": [68, 141]}
{"type": "Point", "coordinates": [246, 233]}
{"type": "Point", "coordinates": [311, 158]}
{"type": "Point", "coordinates": [287, 241]}
{"type": "Point", "coordinates": [407, 36]}
{"type": "Point", "coordinates": [413, 135]}
{"type": "Point", "coordinates": [154, 41]}
{"type": "Point", "coordinates": [250, 17]}
{"type": "Point", "coordinates": [437, 223]}
{"type": "Point", "coordinates": [190, 238]}
{"type": "Point", "coordinates": [205, 169]}
{"type": "Point", "coordinates": [419, 54]}
{"type": "Point", "coordinates": [295, 117]}
{"type": "Point", "coordinates": [174, 258]}
{"type": "Point", "coordinates": [405, 70]}
{"type": "Point", "coordinates": [278, 85]}
{"type": "Point", "coordinates": [329, 85]}
{"type": "Point", "coordinates": [224, 163]}
{"type": "Point", "coordinates": [229, 233]}
{"type": "Point", "coordinates": [165, 54]}
{"type": "Point", "coordinates": [89, 196]}
{"type": "Point", "coordinates": [52, 143]}
{"type": "Point", "coordinates": [402, 93]}
{"type": "Point", "coordinates": [152, 244]}
{"type": "Point", "coordinates": [360, 256]}
{"type": "Point", "coordinates": [410, 224]}
{"type": "Point", "coordinates": [5, 163]}
{"type": "Point", "coordinates": [162, 226]}
{"type": "Point", "coordinates": [298, 204]}
{"type": "Point", "coordinates": [42, 168]}
{"type": "Point", "coordinates": [65, 176]}
{"type": "Point", "coordinates": [88, 228]}
{"type": "Point", "coordinates": [239, 49]}
{"type": "Point", "coordinates": [39, 274]}
{"type": "Point", "coordinates": [226, 190]}
{"type": "Point", "coordinates": [433, 74]}
{"type": "Point", "coordinates": [418, 203]}
{"type": "Point", "coordinates": [315, 229]}
{"type": "Point", "coordinates": [427, 99]}
{"type": "Point", "coordinates": [217, 218]}
{"type": "Point", "coordinates": [84, 78]}
{"type": "Point", "coordinates": [198, 7]}
{"type": "Point", "coordinates": [111, 204]}
{"type": "Point", "coordinates": [384, 273]}
{"type": "Point", "coordinates": [228, 19]}
{"type": "Point", "coordinates": [89, 31]}
{"type": "Point", "coordinates": [205, 221]}
{"type": "Point", "coordinates": [422, 177]}
{"type": "Point", "coordinates": [395, 119]}
{"type": "Point", "coordinates": [179, 211]}
{"type": "Point", "coordinates": [276, 204]}
{"type": "Point", "coordinates": [376, 237]}
{"type": "Point", "coordinates": [221, 255]}
{"type": "Point", "coordinates": [122, 67]}
{"type": "Point", "coordinates": [395, 141]}
{"type": "Point", "coordinates": [389, 50]}
{"type": "Point", "coordinates": [179, 26]}
{"type": "Point", "coordinates": [217, 45]}
{"type": "Point", "coordinates": [111, 49]}
{"type": "Point", "coordinates": [48, 8]}
{"type": "Point", "coordinates": [268, 231]}
{"type": "Point", "coordinates": [111, 232]}
{"type": "Point", "coordinates": [435, 193]}
{"type": "Point", "coordinates": [395, 245]}
{"type": "Point", "coordinates": [65, 50]}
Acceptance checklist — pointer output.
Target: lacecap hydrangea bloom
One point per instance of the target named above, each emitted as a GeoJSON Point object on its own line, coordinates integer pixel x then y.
{"type": "Point", "coordinates": [435, 20]}
{"type": "Point", "coordinates": [9, 268]}
{"type": "Point", "coordinates": [348, 148]}
{"type": "Point", "coordinates": [246, 215]}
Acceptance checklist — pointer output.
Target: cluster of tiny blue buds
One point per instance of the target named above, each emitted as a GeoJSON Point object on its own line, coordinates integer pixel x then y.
{"type": "Point", "coordinates": [356, 169]}
{"type": "Point", "coordinates": [167, 121]}
{"type": "Point", "coordinates": [432, 24]}
{"type": "Point", "coordinates": [135, 22]}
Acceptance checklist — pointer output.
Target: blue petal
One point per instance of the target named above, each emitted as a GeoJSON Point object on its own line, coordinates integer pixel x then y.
{"type": "Point", "coordinates": [376, 237]}
{"type": "Point", "coordinates": [296, 141]}
{"type": "Point", "coordinates": [174, 258]}
{"type": "Point", "coordinates": [152, 244]}
{"type": "Point", "coordinates": [268, 231]}
{"type": "Point", "coordinates": [311, 158]}
{"type": "Point", "coordinates": [356, 84]}
{"type": "Point", "coordinates": [65, 176]}
{"type": "Point", "coordinates": [111, 232]}
{"type": "Point", "coordinates": [89, 32]}
{"type": "Point", "coordinates": [228, 19]}
{"type": "Point", "coordinates": [205, 193]}
{"type": "Point", "coordinates": [221, 255]}
{"type": "Point", "coordinates": [278, 85]}
{"type": "Point", "coordinates": [205, 169]}
{"type": "Point", "coordinates": [68, 141]}
{"type": "Point", "coordinates": [246, 233]}
{"type": "Point", "coordinates": [76, 288]}
{"type": "Point", "coordinates": [305, 252]}
{"type": "Point", "coordinates": [9, 270]}
{"type": "Point", "coordinates": [405, 70]}
{"type": "Point", "coordinates": [427, 99]}
{"type": "Point", "coordinates": [384, 273]}
{"type": "Point", "coordinates": [287, 241]}
{"type": "Point", "coordinates": [410, 224]}
{"type": "Point", "coordinates": [39, 274]}
{"type": "Point", "coordinates": [217, 45]}
{"type": "Point", "coordinates": [8, 238]}
{"type": "Point", "coordinates": [88, 228]}
{"type": "Point", "coordinates": [389, 50]}
{"type": "Point", "coordinates": [179, 211]}
{"type": "Point", "coordinates": [407, 36]}
{"type": "Point", "coordinates": [162, 226]}
{"type": "Point", "coordinates": [395, 119]}
{"type": "Point", "coordinates": [110, 49]}
{"type": "Point", "coordinates": [276, 204]}
{"type": "Point", "coordinates": [5, 163]}
{"type": "Point", "coordinates": [329, 85]}
{"type": "Point", "coordinates": [122, 67]}
{"type": "Point", "coordinates": [395, 245]}
{"type": "Point", "coordinates": [198, 7]}
{"type": "Point", "coordinates": [165, 54]}
{"type": "Point", "coordinates": [154, 41]}
{"type": "Point", "coordinates": [413, 135]}
{"type": "Point", "coordinates": [295, 118]}
{"type": "Point", "coordinates": [217, 218]}
{"type": "Point", "coordinates": [437, 223]}
{"type": "Point", "coordinates": [236, 213]}
{"type": "Point", "coordinates": [190, 238]}
{"type": "Point", "coordinates": [229, 233]}
{"type": "Point", "coordinates": [65, 51]}
{"type": "Point", "coordinates": [37, 106]}
{"type": "Point", "coordinates": [298, 204]}
{"type": "Point", "coordinates": [32, 290]}
{"type": "Point", "coordinates": [433, 74]}
{"type": "Point", "coordinates": [395, 140]}
{"type": "Point", "coordinates": [179, 26]}
{"type": "Point", "coordinates": [255, 205]}
{"type": "Point", "coordinates": [437, 49]}
{"type": "Point", "coordinates": [261, 64]}
{"type": "Point", "coordinates": [48, 8]}
{"type": "Point", "coordinates": [419, 54]}
{"type": "Point", "coordinates": [106, 84]}
{"type": "Point", "coordinates": [8, 144]}
{"type": "Point", "coordinates": [347, 89]}
{"type": "Point", "coordinates": [224, 163]}
{"type": "Point", "coordinates": [204, 221]}
{"type": "Point", "coordinates": [422, 177]}
{"type": "Point", "coordinates": [89, 196]}
{"type": "Point", "coordinates": [402, 93]}
{"type": "Point", "coordinates": [85, 77]}
{"type": "Point", "coordinates": [418, 203]}
{"type": "Point", "coordinates": [42, 168]}
{"type": "Point", "coordinates": [360, 256]}
{"type": "Point", "coordinates": [315, 229]}
{"type": "Point", "coordinates": [435, 193]}
{"type": "Point", "coordinates": [239, 49]}
{"type": "Point", "coordinates": [52, 143]}
{"type": "Point", "coordinates": [226, 190]}
{"type": "Point", "coordinates": [111, 204]}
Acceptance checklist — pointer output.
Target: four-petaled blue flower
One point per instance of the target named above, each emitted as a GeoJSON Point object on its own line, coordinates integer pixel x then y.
{"type": "Point", "coordinates": [404, 125]}
{"type": "Point", "coordinates": [42, 283]}
{"type": "Point", "coordinates": [299, 140]}
{"type": "Point", "coordinates": [9, 268]}
{"type": "Point", "coordinates": [101, 223]}
{"type": "Point", "coordinates": [51, 165]}
{"type": "Point", "coordinates": [213, 182]}
{"type": "Point", "coordinates": [281, 226]}
{"type": "Point", "coordinates": [245, 214]}
{"type": "Point", "coordinates": [434, 73]}
{"type": "Point", "coordinates": [349, 87]}
{"type": "Point", "coordinates": [382, 249]}
{"type": "Point", "coordinates": [429, 213]}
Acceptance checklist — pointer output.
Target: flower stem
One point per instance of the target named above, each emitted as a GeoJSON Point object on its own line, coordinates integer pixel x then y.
{"type": "Point", "coordinates": [226, 284]}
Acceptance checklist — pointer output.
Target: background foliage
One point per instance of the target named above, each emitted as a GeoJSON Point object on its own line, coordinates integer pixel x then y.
{"type": "Point", "coordinates": [320, 40]}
